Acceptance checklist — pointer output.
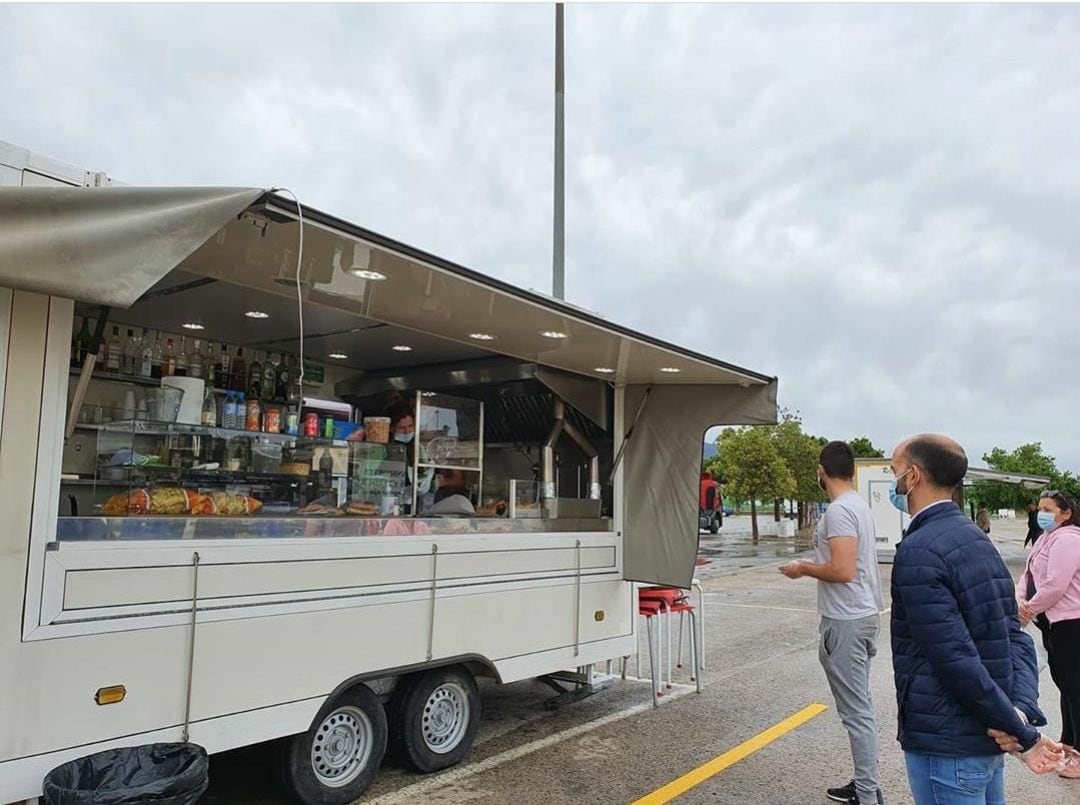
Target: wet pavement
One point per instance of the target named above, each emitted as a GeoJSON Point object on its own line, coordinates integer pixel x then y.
{"type": "Point", "coordinates": [734, 548]}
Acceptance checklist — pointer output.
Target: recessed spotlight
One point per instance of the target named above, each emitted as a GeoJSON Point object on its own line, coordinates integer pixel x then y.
{"type": "Point", "coordinates": [671, 370]}
{"type": "Point", "coordinates": [402, 348]}
{"type": "Point", "coordinates": [604, 370]}
{"type": "Point", "coordinates": [190, 325]}
{"type": "Point", "coordinates": [481, 337]}
{"type": "Point", "coordinates": [257, 314]}
{"type": "Point", "coordinates": [553, 334]}
{"type": "Point", "coordinates": [367, 274]}
{"type": "Point", "coordinates": [338, 356]}
{"type": "Point", "coordinates": [428, 394]}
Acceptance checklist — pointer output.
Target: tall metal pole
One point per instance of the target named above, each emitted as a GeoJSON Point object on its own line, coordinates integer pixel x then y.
{"type": "Point", "coordinates": [558, 283]}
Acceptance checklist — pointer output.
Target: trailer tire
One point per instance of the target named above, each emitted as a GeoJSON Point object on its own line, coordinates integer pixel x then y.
{"type": "Point", "coordinates": [335, 761]}
{"type": "Point", "coordinates": [434, 717]}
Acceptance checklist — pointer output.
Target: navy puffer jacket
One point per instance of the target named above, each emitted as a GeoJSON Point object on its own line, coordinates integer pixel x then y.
{"type": "Point", "coordinates": [960, 659]}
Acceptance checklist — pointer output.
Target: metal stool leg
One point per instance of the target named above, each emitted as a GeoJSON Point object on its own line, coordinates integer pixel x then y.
{"type": "Point", "coordinates": [696, 678]}
{"type": "Point", "coordinates": [700, 616]}
{"type": "Point", "coordinates": [654, 694]}
{"type": "Point", "coordinates": [666, 610]}
{"type": "Point", "coordinates": [678, 656]}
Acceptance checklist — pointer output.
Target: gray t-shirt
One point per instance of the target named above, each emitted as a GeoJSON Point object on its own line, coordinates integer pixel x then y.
{"type": "Point", "coordinates": [849, 516]}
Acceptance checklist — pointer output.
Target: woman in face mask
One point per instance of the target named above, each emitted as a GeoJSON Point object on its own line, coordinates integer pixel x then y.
{"type": "Point", "coordinates": [403, 431]}
{"type": "Point", "coordinates": [1049, 594]}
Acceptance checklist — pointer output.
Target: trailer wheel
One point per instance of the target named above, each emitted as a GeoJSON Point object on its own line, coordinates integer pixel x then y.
{"type": "Point", "coordinates": [335, 761]}
{"type": "Point", "coordinates": [434, 718]}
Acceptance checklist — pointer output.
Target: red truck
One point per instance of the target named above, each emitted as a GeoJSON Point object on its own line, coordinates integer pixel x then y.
{"type": "Point", "coordinates": [711, 505]}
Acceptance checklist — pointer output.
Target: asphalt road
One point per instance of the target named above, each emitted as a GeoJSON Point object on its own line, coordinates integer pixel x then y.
{"type": "Point", "coordinates": [761, 668]}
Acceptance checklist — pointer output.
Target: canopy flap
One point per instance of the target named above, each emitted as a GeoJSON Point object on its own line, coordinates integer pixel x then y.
{"type": "Point", "coordinates": [107, 245]}
{"type": "Point", "coordinates": [663, 470]}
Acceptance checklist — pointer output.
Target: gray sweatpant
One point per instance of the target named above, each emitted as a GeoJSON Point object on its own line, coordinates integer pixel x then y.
{"type": "Point", "coordinates": [845, 651]}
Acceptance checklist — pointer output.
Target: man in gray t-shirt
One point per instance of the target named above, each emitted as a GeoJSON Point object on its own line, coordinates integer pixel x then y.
{"type": "Point", "coordinates": [850, 601]}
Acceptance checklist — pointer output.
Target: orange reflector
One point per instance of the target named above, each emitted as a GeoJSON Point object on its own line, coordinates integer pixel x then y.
{"type": "Point", "coordinates": [110, 695]}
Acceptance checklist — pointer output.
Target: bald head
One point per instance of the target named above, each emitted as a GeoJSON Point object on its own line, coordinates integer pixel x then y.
{"type": "Point", "coordinates": [941, 461]}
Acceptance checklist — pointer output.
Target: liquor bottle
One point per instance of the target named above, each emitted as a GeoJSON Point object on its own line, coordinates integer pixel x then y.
{"type": "Point", "coordinates": [209, 409]}
{"type": "Point", "coordinates": [221, 371]}
{"type": "Point", "coordinates": [85, 340]}
{"type": "Point", "coordinates": [182, 361]}
{"type": "Point", "coordinates": [293, 392]}
{"type": "Point", "coordinates": [195, 369]}
{"type": "Point", "coordinates": [269, 377]}
{"type": "Point", "coordinates": [168, 363]}
{"type": "Point", "coordinates": [254, 379]}
{"type": "Point", "coordinates": [146, 356]}
{"type": "Point", "coordinates": [239, 371]}
{"type": "Point", "coordinates": [157, 360]}
{"type": "Point", "coordinates": [131, 355]}
{"type": "Point", "coordinates": [210, 366]}
{"type": "Point", "coordinates": [113, 357]}
{"type": "Point", "coordinates": [281, 382]}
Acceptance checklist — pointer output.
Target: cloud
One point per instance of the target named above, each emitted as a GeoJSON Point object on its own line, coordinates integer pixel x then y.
{"type": "Point", "coordinates": [875, 203]}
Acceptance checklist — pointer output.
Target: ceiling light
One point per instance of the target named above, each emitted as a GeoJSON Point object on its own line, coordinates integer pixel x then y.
{"type": "Point", "coordinates": [671, 370]}
{"type": "Point", "coordinates": [365, 274]}
{"type": "Point", "coordinates": [481, 337]}
{"type": "Point", "coordinates": [190, 325]}
{"type": "Point", "coordinates": [402, 348]}
{"type": "Point", "coordinates": [553, 334]}
{"type": "Point", "coordinates": [257, 314]}
{"type": "Point", "coordinates": [604, 370]}
{"type": "Point", "coordinates": [338, 356]}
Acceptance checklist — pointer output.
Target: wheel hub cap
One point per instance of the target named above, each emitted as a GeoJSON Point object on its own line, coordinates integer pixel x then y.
{"type": "Point", "coordinates": [342, 746]}
{"type": "Point", "coordinates": [446, 718]}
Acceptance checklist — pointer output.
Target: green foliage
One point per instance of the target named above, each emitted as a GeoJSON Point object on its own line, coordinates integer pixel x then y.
{"type": "Point", "coordinates": [751, 466]}
{"type": "Point", "coordinates": [800, 452]}
{"type": "Point", "coordinates": [862, 447]}
{"type": "Point", "coordinates": [1028, 459]}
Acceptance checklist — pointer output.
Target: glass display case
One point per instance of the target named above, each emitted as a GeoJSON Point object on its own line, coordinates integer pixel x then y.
{"type": "Point", "coordinates": [450, 448]}
{"type": "Point", "coordinates": [145, 467]}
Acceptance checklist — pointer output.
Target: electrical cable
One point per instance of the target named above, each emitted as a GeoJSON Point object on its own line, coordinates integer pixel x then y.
{"type": "Point", "coordinates": [299, 286]}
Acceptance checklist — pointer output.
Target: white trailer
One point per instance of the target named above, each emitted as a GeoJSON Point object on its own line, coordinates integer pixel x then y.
{"type": "Point", "coordinates": [326, 633]}
{"type": "Point", "coordinates": [873, 477]}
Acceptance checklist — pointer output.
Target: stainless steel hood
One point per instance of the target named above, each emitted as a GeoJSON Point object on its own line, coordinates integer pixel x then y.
{"type": "Point", "coordinates": [518, 397]}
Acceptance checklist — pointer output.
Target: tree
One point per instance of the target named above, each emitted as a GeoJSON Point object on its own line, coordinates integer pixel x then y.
{"type": "Point", "coordinates": [800, 452]}
{"type": "Point", "coordinates": [862, 447]}
{"type": "Point", "coordinates": [1028, 459]}
{"type": "Point", "coordinates": [752, 467]}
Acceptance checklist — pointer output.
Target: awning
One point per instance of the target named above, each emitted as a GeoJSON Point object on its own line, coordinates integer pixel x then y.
{"type": "Point", "coordinates": [106, 245]}
{"type": "Point", "coordinates": [663, 471]}
{"type": "Point", "coordinates": [1014, 478]}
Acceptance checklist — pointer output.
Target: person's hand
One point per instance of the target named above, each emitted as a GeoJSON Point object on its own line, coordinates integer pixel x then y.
{"type": "Point", "coordinates": [1026, 615]}
{"type": "Point", "coordinates": [1044, 756]}
{"type": "Point", "coordinates": [793, 570]}
{"type": "Point", "coordinates": [1006, 743]}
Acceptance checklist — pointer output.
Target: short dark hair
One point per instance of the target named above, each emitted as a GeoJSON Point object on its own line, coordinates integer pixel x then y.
{"type": "Point", "coordinates": [838, 460]}
{"type": "Point", "coordinates": [944, 463]}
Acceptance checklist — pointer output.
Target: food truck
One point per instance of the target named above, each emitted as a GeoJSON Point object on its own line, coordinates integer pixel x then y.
{"type": "Point", "coordinates": [437, 477]}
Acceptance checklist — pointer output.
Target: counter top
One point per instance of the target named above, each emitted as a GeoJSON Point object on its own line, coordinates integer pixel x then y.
{"type": "Point", "coordinates": [95, 529]}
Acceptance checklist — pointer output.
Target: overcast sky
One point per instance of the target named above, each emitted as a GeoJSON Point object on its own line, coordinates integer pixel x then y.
{"type": "Point", "coordinates": [879, 204]}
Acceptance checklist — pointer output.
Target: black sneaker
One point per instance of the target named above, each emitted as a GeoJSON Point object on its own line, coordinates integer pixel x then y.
{"type": "Point", "coordinates": [847, 794]}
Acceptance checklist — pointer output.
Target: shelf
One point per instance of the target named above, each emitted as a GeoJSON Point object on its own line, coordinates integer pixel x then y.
{"type": "Point", "coordinates": [116, 377]}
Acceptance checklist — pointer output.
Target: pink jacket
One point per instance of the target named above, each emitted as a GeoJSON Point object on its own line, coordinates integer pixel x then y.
{"type": "Point", "coordinates": [1054, 564]}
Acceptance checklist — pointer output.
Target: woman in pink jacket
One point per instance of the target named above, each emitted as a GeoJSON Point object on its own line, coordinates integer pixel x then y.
{"type": "Point", "coordinates": [1050, 586]}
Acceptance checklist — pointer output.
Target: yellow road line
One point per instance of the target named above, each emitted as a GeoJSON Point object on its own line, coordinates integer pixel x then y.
{"type": "Point", "coordinates": [702, 773]}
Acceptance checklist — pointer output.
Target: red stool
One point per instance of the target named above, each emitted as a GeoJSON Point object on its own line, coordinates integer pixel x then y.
{"type": "Point", "coordinates": [673, 600]}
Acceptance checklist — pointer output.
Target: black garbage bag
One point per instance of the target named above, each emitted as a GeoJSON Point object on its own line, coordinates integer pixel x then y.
{"type": "Point", "coordinates": [162, 774]}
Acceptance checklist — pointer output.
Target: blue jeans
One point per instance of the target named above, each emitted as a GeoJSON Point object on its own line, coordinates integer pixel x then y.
{"type": "Point", "coordinates": [937, 780]}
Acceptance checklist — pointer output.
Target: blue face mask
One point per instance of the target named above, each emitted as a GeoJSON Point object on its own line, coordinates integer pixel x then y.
{"type": "Point", "coordinates": [1046, 520]}
{"type": "Point", "coordinates": [898, 500]}
{"type": "Point", "coordinates": [404, 438]}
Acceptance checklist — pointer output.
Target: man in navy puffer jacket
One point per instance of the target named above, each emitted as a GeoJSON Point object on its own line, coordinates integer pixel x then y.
{"type": "Point", "coordinates": [962, 663]}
